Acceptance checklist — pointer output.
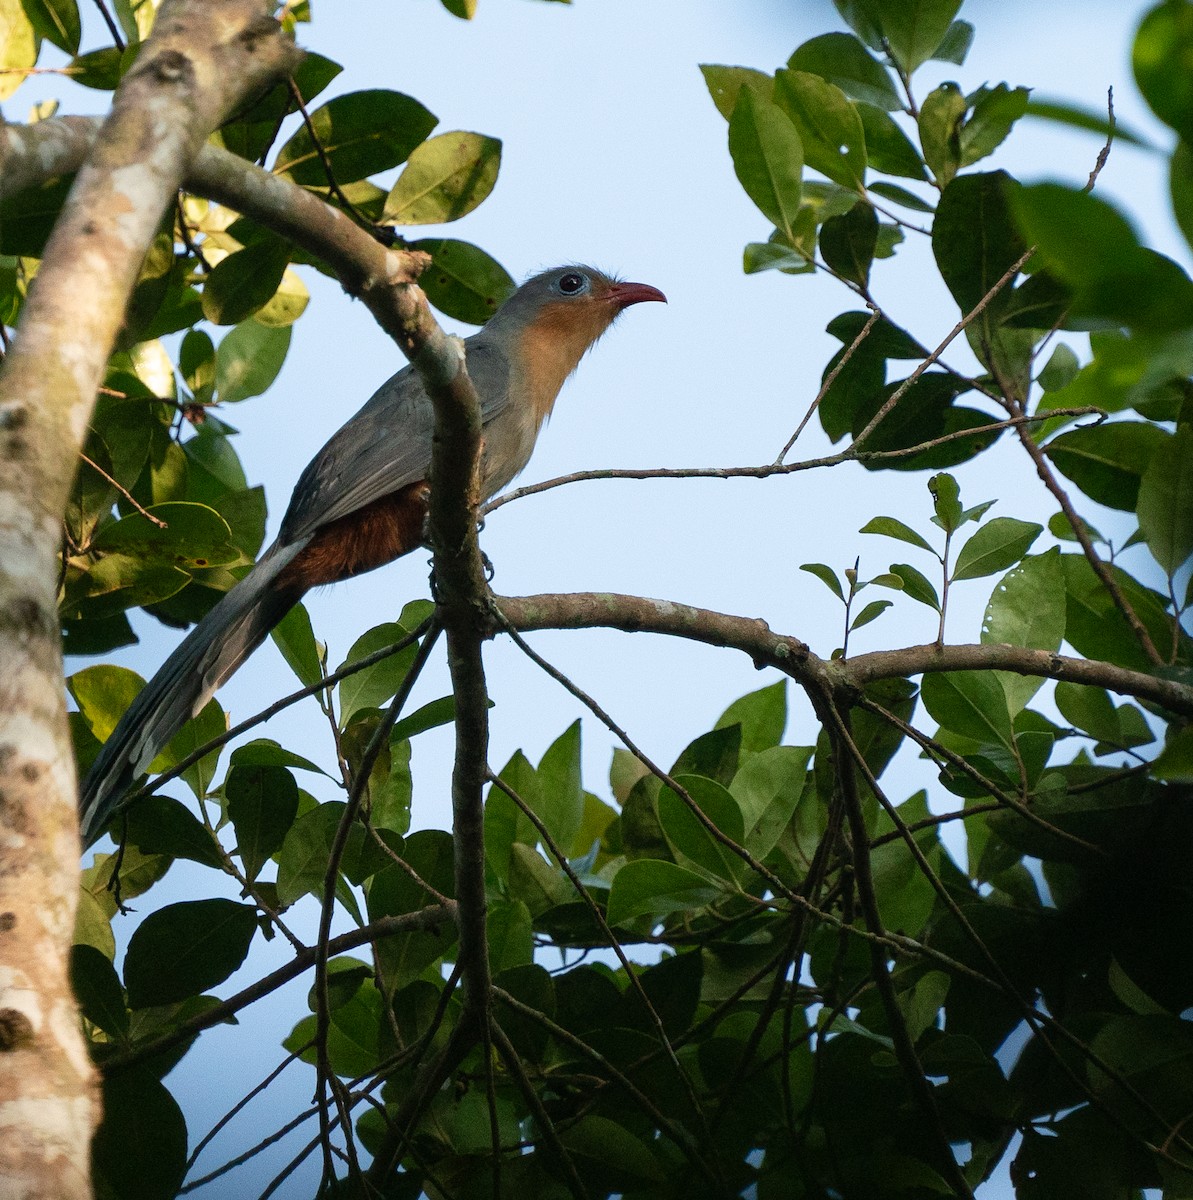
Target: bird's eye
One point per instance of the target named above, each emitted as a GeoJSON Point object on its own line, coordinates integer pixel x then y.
{"type": "Point", "coordinates": [572, 283]}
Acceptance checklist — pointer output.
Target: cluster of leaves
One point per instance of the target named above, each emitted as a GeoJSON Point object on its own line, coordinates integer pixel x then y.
{"type": "Point", "coordinates": [159, 520]}
{"type": "Point", "coordinates": [824, 997]}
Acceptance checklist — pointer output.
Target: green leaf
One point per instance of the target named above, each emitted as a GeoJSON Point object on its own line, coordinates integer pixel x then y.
{"type": "Point", "coordinates": [871, 612]}
{"type": "Point", "coordinates": [184, 949]}
{"type": "Point", "coordinates": [892, 191]}
{"type": "Point", "coordinates": [1175, 763]}
{"type": "Point", "coordinates": [1089, 246]}
{"type": "Point", "coordinates": [955, 46]}
{"type": "Point", "coordinates": [847, 242]}
{"type": "Point", "coordinates": [444, 179]}
{"type": "Point", "coordinates": [248, 360]}
{"type": "Point", "coordinates": [361, 133]}
{"type": "Point", "coordinates": [890, 150]}
{"type": "Point", "coordinates": [689, 839]}
{"type": "Point", "coordinates": [1180, 188]}
{"type": "Point", "coordinates": [464, 9]}
{"type": "Point", "coordinates": [1160, 58]}
{"type": "Point", "coordinates": [373, 686]}
{"type": "Point", "coordinates": [28, 216]}
{"type": "Point", "coordinates": [295, 638]}
{"type": "Point", "coordinates": [1060, 370]}
{"type": "Point", "coordinates": [725, 83]}
{"type": "Point", "coordinates": [161, 825]}
{"type": "Point", "coordinates": [18, 46]}
{"type": "Point", "coordinates": [1075, 117]}
{"type": "Point", "coordinates": [842, 60]}
{"type": "Point", "coordinates": [914, 29]}
{"type": "Point", "coordinates": [244, 282]}
{"type": "Point", "coordinates": [994, 112]}
{"type": "Point", "coordinates": [1108, 462]}
{"type": "Point", "coordinates": [57, 21]}
{"type": "Point", "coordinates": [1027, 608]}
{"type": "Point", "coordinates": [1090, 709]}
{"type": "Point", "coordinates": [773, 256]}
{"type": "Point", "coordinates": [610, 1156]}
{"type": "Point", "coordinates": [829, 127]}
{"type": "Point", "coordinates": [262, 804]}
{"type": "Point", "coordinates": [970, 703]}
{"type": "Point", "coordinates": [975, 241]}
{"type": "Point", "coordinates": [103, 693]}
{"type": "Point", "coordinates": [561, 807]}
{"type": "Point", "coordinates": [827, 576]}
{"type": "Point", "coordinates": [917, 585]}
{"type": "Point", "coordinates": [940, 120]}
{"type": "Point", "coordinates": [649, 887]}
{"type": "Point", "coordinates": [463, 281]}
{"type": "Point", "coordinates": [946, 498]}
{"type": "Point", "coordinates": [892, 527]}
{"type": "Point", "coordinates": [510, 935]}
{"type": "Point", "coordinates": [761, 715]}
{"type": "Point", "coordinates": [139, 1152]}
{"type": "Point", "coordinates": [98, 991]}
{"type": "Point", "coordinates": [998, 544]}
{"type": "Point", "coordinates": [768, 158]}
{"type": "Point", "coordinates": [1165, 502]}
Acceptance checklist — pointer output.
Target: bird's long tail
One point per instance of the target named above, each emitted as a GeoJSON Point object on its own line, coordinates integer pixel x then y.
{"type": "Point", "coordinates": [205, 658]}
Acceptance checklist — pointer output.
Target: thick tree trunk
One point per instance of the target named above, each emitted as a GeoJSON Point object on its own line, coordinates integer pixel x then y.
{"type": "Point", "coordinates": [200, 61]}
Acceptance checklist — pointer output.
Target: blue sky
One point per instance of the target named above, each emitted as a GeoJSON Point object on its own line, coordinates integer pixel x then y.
{"type": "Point", "coordinates": [614, 155]}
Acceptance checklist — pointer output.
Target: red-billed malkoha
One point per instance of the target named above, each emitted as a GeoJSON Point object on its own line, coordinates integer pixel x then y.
{"type": "Point", "coordinates": [363, 499]}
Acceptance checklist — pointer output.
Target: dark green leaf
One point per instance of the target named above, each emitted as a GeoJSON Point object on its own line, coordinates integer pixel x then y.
{"type": "Point", "coordinates": [829, 127]}
{"type": "Point", "coordinates": [841, 59]}
{"type": "Point", "coordinates": [262, 804]}
{"type": "Point", "coordinates": [648, 887]}
{"type": "Point", "coordinates": [98, 991]}
{"type": "Point", "coordinates": [1089, 246]}
{"type": "Point", "coordinates": [1060, 370]}
{"type": "Point", "coordinates": [561, 806]}
{"type": "Point", "coordinates": [1165, 502]}
{"type": "Point", "coordinates": [1107, 462]}
{"type": "Point", "coordinates": [27, 217]}
{"type": "Point", "coordinates": [970, 703]}
{"type": "Point", "coordinates": [847, 242]}
{"type": "Point", "coordinates": [57, 21]}
{"type": "Point", "coordinates": [889, 149]}
{"type": "Point", "coordinates": [361, 133]}
{"type": "Point", "coordinates": [914, 29]}
{"type": "Point", "coordinates": [998, 544]}
{"type": "Point", "coordinates": [99, 69]}
{"type": "Point", "coordinates": [245, 281]}
{"type": "Point", "coordinates": [690, 840]}
{"type": "Point", "coordinates": [463, 281]}
{"type": "Point", "coordinates": [161, 825]}
{"type": "Point", "coordinates": [773, 256]}
{"type": "Point", "coordinates": [768, 158]}
{"type": "Point", "coordinates": [184, 949]}
{"type": "Point", "coordinates": [1180, 188]}
{"type": "Point", "coordinates": [892, 191]}
{"type": "Point", "coordinates": [139, 1152]}
{"type": "Point", "coordinates": [510, 935]}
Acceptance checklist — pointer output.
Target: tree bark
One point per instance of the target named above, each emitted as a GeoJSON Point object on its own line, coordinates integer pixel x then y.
{"type": "Point", "coordinates": [199, 62]}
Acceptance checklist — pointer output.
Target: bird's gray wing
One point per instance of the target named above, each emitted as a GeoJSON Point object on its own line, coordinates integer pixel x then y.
{"type": "Point", "coordinates": [386, 445]}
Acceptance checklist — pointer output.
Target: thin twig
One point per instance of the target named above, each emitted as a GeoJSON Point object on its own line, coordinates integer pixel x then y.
{"type": "Point", "coordinates": [123, 491]}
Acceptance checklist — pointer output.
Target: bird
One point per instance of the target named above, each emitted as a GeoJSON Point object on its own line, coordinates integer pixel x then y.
{"type": "Point", "coordinates": [362, 502]}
